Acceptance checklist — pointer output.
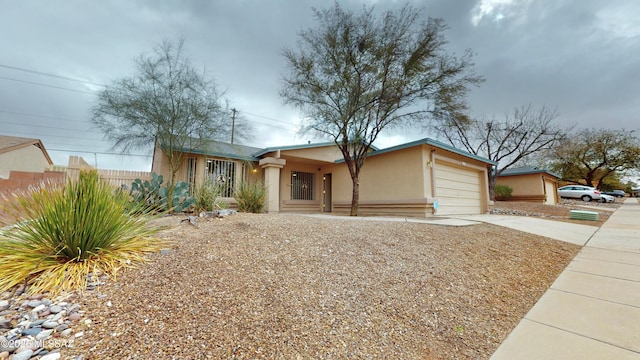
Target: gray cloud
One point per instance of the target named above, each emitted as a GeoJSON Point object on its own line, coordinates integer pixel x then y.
{"type": "Point", "coordinates": [579, 56]}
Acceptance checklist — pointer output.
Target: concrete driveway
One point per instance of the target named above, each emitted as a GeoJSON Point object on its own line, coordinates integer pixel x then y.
{"type": "Point", "coordinates": [573, 233]}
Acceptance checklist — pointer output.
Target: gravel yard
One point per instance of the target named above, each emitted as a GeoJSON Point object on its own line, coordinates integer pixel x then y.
{"type": "Point", "coordinates": [285, 286]}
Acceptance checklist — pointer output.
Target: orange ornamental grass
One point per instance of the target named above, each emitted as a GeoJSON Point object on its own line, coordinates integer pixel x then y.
{"type": "Point", "coordinates": [64, 232]}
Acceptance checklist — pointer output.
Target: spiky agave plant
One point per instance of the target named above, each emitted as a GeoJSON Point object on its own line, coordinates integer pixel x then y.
{"type": "Point", "coordinates": [64, 232]}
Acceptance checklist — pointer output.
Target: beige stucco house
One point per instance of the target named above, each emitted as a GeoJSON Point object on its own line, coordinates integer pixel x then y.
{"type": "Point", "coordinates": [421, 178]}
{"type": "Point", "coordinates": [531, 184]}
{"type": "Point", "coordinates": [22, 154]}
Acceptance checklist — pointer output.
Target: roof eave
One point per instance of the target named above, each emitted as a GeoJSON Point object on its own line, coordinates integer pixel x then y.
{"type": "Point", "coordinates": [219, 154]}
{"type": "Point", "coordinates": [531, 173]}
{"type": "Point", "coordinates": [431, 142]}
{"type": "Point", "coordinates": [32, 142]}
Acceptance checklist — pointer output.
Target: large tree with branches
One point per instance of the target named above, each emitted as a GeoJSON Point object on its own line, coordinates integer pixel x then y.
{"type": "Point", "coordinates": [591, 156]}
{"type": "Point", "coordinates": [507, 141]}
{"type": "Point", "coordinates": [358, 74]}
{"type": "Point", "coordinates": [168, 103]}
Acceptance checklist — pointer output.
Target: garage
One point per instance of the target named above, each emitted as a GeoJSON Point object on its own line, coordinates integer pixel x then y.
{"type": "Point", "coordinates": [458, 189]}
{"type": "Point", "coordinates": [551, 191]}
{"type": "Point", "coordinates": [530, 184]}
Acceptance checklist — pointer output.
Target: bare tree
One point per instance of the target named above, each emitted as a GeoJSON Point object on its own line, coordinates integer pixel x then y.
{"type": "Point", "coordinates": [357, 74]}
{"type": "Point", "coordinates": [508, 141]}
{"type": "Point", "coordinates": [168, 103]}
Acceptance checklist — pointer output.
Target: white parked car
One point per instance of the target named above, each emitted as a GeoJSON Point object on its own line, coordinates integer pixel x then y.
{"type": "Point", "coordinates": [586, 193]}
{"type": "Point", "coordinates": [605, 198]}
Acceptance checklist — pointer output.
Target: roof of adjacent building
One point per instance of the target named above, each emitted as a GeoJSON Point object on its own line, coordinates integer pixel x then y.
{"type": "Point", "coordinates": [10, 143]}
{"type": "Point", "coordinates": [526, 170]}
{"type": "Point", "coordinates": [434, 143]}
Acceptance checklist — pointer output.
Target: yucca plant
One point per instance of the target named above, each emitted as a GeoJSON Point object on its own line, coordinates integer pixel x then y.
{"type": "Point", "coordinates": [251, 197]}
{"type": "Point", "coordinates": [64, 232]}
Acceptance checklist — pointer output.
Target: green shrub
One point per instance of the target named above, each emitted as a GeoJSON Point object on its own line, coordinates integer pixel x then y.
{"type": "Point", "coordinates": [251, 197]}
{"type": "Point", "coordinates": [502, 192]}
{"type": "Point", "coordinates": [208, 197]}
{"type": "Point", "coordinates": [66, 231]}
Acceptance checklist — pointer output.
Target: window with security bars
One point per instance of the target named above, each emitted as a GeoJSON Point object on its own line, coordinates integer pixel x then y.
{"type": "Point", "coordinates": [302, 185]}
{"type": "Point", "coordinates": [223, 174]}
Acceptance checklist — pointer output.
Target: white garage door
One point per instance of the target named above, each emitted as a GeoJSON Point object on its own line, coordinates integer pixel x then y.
{"type": "Point", "coordinates": [458, 189]}
{"type": "Point", "coordinates": [550, 191]}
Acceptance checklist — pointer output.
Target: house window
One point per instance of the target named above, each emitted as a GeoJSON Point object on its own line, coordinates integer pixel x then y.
{"type": "Point", "coordinates": [191, 174]}
{"type": "Point", "coordinates": [223, 174]}
{"type": "Point", "coordinates": [302, 185]}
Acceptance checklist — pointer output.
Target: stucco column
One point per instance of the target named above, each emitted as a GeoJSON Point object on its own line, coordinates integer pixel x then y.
{"type": "Point", "coordinates": [272, 168]}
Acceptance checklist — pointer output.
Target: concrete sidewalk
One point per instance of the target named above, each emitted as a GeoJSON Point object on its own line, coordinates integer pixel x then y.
{"type": "Point", "coordinates": [592, 310]}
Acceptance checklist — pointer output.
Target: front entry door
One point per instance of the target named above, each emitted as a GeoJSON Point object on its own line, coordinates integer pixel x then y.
{"type": "Point", "coordinates": [326, 192]}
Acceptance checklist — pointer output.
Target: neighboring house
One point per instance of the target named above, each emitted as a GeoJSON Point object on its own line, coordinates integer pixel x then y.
{"type": "Point", "coordinates": [420, 178]}
{"type": "Point", "coordinates": [531, 184]}
{"type": "Point", "coordinates": [23, 163]}
{"type": "Point", "coordinates": [22, 154]}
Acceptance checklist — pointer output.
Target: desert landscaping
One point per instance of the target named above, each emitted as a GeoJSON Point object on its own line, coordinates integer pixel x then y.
{"type": "Point", "coordinates": [289, 286]}
{"type": "Point", "coordinates": [293, 286]}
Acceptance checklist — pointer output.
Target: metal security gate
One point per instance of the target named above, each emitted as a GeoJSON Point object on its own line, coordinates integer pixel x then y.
{"type": "Point", "coordinates": [223, 174]}
{"type": "Point", "coordinates": [302, 185]}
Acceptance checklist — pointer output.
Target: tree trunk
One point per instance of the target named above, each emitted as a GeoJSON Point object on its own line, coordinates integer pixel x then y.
{"type": "Point", "coordinates": [354, 171]}
{"type": "Point", "coordinates": [355, 195]}
{"type": "Point", "coordinates": [170, 187]}
{"type": "Point", "coordinates": [590, 177]}
{"type": "Point", "coordinates": [492, 186]}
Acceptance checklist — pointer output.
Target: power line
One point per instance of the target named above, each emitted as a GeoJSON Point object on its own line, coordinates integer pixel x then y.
{"type": "Point", "coordinates": [99, 152]}
{"type": "Point", "coordinates": [269, 125]}
{"type": "Point", "coordinates": [44, 126]}
{"type": "Point", "coordinates": [89, 130]}
{"type": "Point", "coordinates": [38, 115]}
{"type": "Point", "coordinates": [91, 83]}
{"type": "Point", "coordinates": [50, 75]}
{"type": "Point", "coordinates": [94, 93]}
{"type": "Point", "coordinates": [49, 86]}
{"type": "Point", "coordinates": [268, 118]}
{"type": "Point", "coordinates": [54, 136]}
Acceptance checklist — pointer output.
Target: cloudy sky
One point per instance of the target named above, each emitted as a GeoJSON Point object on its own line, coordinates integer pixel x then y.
{"type": "Point", "coordinates": [579, 56]}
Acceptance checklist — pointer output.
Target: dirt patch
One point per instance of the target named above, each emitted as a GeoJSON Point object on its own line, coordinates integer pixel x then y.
{"type": "Point", "coordinates": [286, 286]}
{"type": "Point", "coordinates": [558, 212]}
